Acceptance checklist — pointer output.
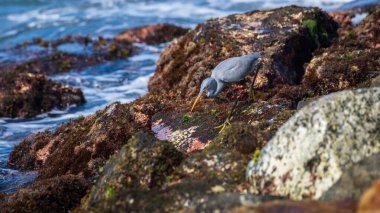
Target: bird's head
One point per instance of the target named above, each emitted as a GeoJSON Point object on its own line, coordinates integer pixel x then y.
{"type": "Point", "coordinates": [208, 84]}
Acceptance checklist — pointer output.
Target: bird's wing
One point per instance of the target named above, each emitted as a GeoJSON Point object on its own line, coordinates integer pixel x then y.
{"type": "Point", "coordinates": [232, 69]}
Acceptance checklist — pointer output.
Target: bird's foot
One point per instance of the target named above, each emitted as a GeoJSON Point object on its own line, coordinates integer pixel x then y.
{"type": "Point", "coordinates": [224, 125]}
{"type": "Point", "coordinates": [251, 95]}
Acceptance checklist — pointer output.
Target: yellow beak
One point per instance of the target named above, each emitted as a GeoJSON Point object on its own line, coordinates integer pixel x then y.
{"type": "Point", "coordinates": [196, 101]}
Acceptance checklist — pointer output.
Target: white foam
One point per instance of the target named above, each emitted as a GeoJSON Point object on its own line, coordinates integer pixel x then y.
{"type": "Point", "coordinates": [358, 18]}
{"type": "Point", "coordinates": [10, 33]}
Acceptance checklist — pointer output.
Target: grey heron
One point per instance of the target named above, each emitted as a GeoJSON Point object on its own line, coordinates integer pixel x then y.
{"type": "Point", "coordinates": [229, 71]}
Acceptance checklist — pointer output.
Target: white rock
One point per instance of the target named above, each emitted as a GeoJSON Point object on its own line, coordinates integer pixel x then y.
{"type": "Point", "coordinates": [310, 152]}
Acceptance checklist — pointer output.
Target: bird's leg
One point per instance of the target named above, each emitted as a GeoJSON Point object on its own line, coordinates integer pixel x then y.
{"type": "Point", "coordinates": [251, 92]}
{"type": "Point", "coordinates": [229, 117]}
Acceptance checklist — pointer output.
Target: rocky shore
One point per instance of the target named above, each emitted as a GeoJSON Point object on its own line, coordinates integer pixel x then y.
{"type": "Point", "coordinates": [308, 142]}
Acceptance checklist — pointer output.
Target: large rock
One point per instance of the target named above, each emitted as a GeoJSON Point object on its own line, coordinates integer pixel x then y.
{"type": "Point", "coordinates": [340, 67]}
{"type": "Point", "coordinates": [354, 180]}
{"type": "Point", "coordinates": [24, 94]}
{"type": "Point", "coordinates": [143, 164]}
{"type": "Point", "coordinates": [152, 34]}
{"type": "Point", "coordinates": [53, 57]}
{"type": "Point", "coordinates": [286, 37]}
{"type": "Point", "coordinates": [58, 194]}
{"type": "Point", "coordinates": [150, 175]}
{"type": "Point", "coordinates": [348, 18]}
{"type": "Point", "coordinates": [82, 145]}
{"type": "Point", "coordinates": [350, 62]}
{"type": "Point", "coordinates": [313, 150]}
{"type": "Point", "coordinates": [26, 91]}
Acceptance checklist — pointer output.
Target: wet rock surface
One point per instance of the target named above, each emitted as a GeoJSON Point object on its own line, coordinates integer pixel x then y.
{"type": "Point", "coordinates": [285, 45]}
{"type": "Point", "coordinates": [80, 146]}
{"type": "Point", "coordinates": [69, 53]}
{"type": "Point", "coordinates": [369, 29]}
{"type": "Point", "coordinates": [182, 182]}
{"type": "Point", "coordinates": [312, 150]}
{"type": "Point", "coordinates": [59, 194]}
{"type": "Point", "coordinates": [348, 19]}
{"type": "Point", "coordinates": [286, 37]}
{"type": "Point", "coordinates": [152, 34]}
{"type": "Point", "coordinates": [25, 94]}
{"type": "Point", "coordinates": [143, 164]}
{"type": "Point", "coordinates": [26, 91]}
{"type": "Point", "coordinates": [191, 132]}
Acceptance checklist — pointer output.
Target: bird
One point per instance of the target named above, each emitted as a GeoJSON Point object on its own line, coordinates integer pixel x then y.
{"type": "Point", "coordinates": [227, 72]}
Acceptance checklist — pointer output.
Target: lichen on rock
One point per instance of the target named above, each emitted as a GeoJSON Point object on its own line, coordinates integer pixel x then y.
{"type": "Point", "coordinates": [310, 152]}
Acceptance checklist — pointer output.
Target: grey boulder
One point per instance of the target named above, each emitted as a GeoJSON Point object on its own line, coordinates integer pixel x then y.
{"type": "Point", "coordinates": [323, 151]}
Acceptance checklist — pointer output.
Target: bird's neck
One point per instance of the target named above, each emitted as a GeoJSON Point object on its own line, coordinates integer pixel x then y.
{"type": "Point", "coordinates": [219, 87]}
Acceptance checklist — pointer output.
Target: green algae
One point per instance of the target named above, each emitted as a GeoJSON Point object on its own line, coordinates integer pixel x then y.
{"type": "Point", "coordinates": [110, 192]}
{"type": "Point", "coordinates": [143, 164]}
{"type": "Point", "coordinates": [256, 155]}
{"type": "Point", "coordinates": [186, 118]}
{"type": "Point", "coordinates": [317, 32]}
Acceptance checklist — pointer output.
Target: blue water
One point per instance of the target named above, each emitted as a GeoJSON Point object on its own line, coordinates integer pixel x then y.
{"type": "Point", "coordinates": [122, 80]}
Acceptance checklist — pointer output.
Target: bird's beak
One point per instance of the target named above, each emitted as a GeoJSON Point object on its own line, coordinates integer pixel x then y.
{"type": "Point", "coordinates": [196, 101]}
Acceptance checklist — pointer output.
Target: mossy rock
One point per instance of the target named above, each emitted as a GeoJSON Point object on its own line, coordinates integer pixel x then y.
{"type": "Point", "coordinates": [143, 164]}
{"type": "Point", "coordinates": [241, 137]}
{"type": "Point", "coordinates": [59, 194]}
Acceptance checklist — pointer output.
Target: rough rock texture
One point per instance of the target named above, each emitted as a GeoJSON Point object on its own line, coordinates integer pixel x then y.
{"type": "Point", "coordinates": [142, 164]}
{"type": "Point", "coordinates": [58, 194]}
{"type": "Point", "coordinates": [286, 37]}
{"type": "Point", "coordinates": [196, 180]}
{"type": "Point", "coordinates": [355, 179]}
{"type": "Point", "coordinates": [368, 30]}
{"type": "Point", "coordinates": [80, 146]}
{"type": "Point", "coordinates": [25, 90]}
{"type": "Point", "coordinates": [24, 94]}
{"type": "Point", "coordinates": [30, 153]}
{"type": "Point", "coordinates": [51, 58]}
{"type": "Point", "coordinates": [260, 120]}
{"type": "Point", "coordinates": [348, 19]}
{"type": "Point", "coordinates": [344, 20]}
{"type": "Point", "coordinates": [348, 62]}
{"type": "Point", "coordinates": [370, 201]}
{"type": "Point", "coordinates": [310, 152]}
{"type": "Point", "coordinates": [341, 67]}
{"type": "Point", "coordinates": [152, 34]}
{"type": "Point", "coordinates": [307, 206]}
